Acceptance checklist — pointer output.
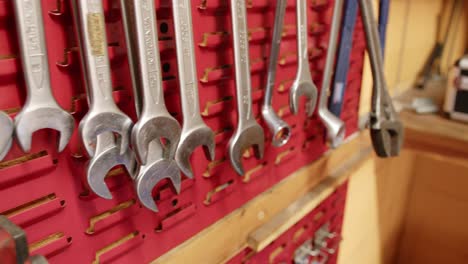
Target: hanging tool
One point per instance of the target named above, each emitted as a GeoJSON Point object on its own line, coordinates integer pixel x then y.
{"type": "Point", "coordinates": [155, 122]}
{"type": "Point", "coordinates": [384, 9]}
{"type": "Point", "coordinates": [41, 110]}
{"type": "Point", "coordinates": [248, 133]}
{"type": "Point", "coordinates": [6, 134]}
{"type": "Point", "coordinates": [303, 84]}
{"type": "Point", "coordinates": [433, 61]}
{"type": "Point", "coordinates": [280, 130]}
{"type": "Point", "coordinates": [103, 115]}
{"type": "Point", "coordinates": [385, 126]}
{"type": "Point", "coordinates": [194, 130]}
{"type": "Point", "coordinates": [335, 126]}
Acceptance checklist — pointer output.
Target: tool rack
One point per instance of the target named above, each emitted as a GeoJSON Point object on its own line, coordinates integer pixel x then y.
{"type": "Point", "coordinates": [43, 191]}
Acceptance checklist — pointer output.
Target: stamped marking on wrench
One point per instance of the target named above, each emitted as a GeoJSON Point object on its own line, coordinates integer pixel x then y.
{"type": "Point", "coordinates": [154, 122]}
{"type": "Point", "coordinates": [6, 134]}
{"type": "Point", "coordinates": [249, 132]}
{"type": "Point", "coordinates": [280, 130]}
{"type": "Point", "coordinates": [194, 131]}
{"type": "Point", "coordinates": [303, 84]}
{"type": "Point", "coordinates": [41, 110]}
{"type": "Point", "coordinates": [103, 115]}
{"type": "Point", "coordinates": [335, 126]}
{"type": "Point", "coordinates": [385, 126]}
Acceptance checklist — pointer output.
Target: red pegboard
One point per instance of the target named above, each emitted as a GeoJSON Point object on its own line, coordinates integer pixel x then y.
{"type": "Point", "coordinates": [330, 211]}
{"type": "Point", "coordinates": [43, 192]}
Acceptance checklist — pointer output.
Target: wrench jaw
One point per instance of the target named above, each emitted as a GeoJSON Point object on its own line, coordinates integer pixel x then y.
{"type": "Point", "coordinates": [100, 165]}
{"type": "Point", "coordinates": [303, 87]}
{"type": "Point", "coordinates": [200, 135]}
{"type": "Point", "coordinates": [245, 137]}
{"type": "Point", "coordinates": [387, 139]}
{"type": "Point", "coordinates": [279, 129]}
{"type": "Point", "coordinates": [150, 175]}
{"type": "Point", "coordinates": [147, 130]}
{"type": "Point", "coordinates": [6, 134]}
{"type": "Point", "coordinates": [95, 123]}
{"type": "Point", "coordinates": [30, 120]}
{"type": "Point", "coordinates": [335, 127]}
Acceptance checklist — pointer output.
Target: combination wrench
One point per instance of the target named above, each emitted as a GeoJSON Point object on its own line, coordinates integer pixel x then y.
{"type": "Point", "coordinates": [248, 132]}
{"type": "Point", "coordinates": [194, 130]}
{"type": "Point", "coordinates": [280, 130]}
{"type": "Point", "coordinates": [40, 110]}
{"type": "Point", "coordinates": [385, 126]}
{"type": "Point", "coordinates": [335, 126]}
{"type": "Point", "coordinates": [303, 84]}
{"type": "Point", "coordinates": [103, 115]}
{"type": "Point", "coordinates": [6, 134]}
{"type": "Point", "coordinates": [154, 121]}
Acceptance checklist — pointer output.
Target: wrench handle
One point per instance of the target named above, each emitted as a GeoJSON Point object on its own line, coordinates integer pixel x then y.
{"type": "Point", "coordinates": [139, 17]}
{"type": "Point", "coordinates": [241, 60]}
{"type": "Point", "coordinates": [302, 36]}
{"type": "Point", "coordinates": [182, 12]}
{"type": "Point", "coordinates": [275, 48]}
{"type": "Point", "coordinates": [33, 48]}
{"type": "Point", "coordinates": [91, 31]}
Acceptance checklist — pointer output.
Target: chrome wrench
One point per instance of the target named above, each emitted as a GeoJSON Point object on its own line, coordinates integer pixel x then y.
{"type": "Point", "coordinates": [335, 126]}
{"type": "Point", "coordinates": [194, 130]}
{"type": "Point", "coordinates": [249, 132]}
{"type": "Point", "coordinates": [303, 83]}
{"type": "Point", "coordinates": [6, 134]}
{"type": "Point", "coordinates": [103, 115]}
{"type": "Point", "coordinates": [41, 110]}
{"type": "Point", "coordinates": [385, 126]}
{"type": "Point", "coordinates": [280, 130]}
{"type": "Point", "coordinates": [154, 121]}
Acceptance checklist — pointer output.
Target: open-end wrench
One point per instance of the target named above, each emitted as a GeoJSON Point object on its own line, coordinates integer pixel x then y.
{"type": "Point", "coordinates": [249, 132]}
{"type": "Point", "coordinates": [103, 115]}
{"type": "Point", "coordinates": [194, 131]}
{"type": "Point", "coordinates": [6, 134]}
{"type": "Point", "coordinates": [280, 130]}
{"type": "Point", "coordinates": [154, 121]}
{"type": "Point", "coordinates": [41, 110]}
{"type": "Point", "coordinates": [335, 126]}
{"type": "Point", "coordinates": [106, 157]}
{"type": "Point", "coordinates": [385, 126]}
{"type": "Point", "coordinates": [303, 83]}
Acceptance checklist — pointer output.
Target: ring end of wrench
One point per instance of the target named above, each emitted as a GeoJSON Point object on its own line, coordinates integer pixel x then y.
{"type": "Point", "coordinates": [279, 129]}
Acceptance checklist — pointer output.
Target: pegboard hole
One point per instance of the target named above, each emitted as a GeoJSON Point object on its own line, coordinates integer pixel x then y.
{"type": "Point", "coordinates": [143, 236]}
{"type": "Point", "coordinates": [62, 203]}
{"type": "Point", "coordinates": [69, 240]}
{"type": "Point", "coordinates": [175, 202]}
{"type": "Point", "coordinates": [166, 67]}
{"type": "Point", "coordinates": [164, 28]}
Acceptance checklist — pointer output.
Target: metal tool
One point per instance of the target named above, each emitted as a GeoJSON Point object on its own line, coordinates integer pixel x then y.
{"type": "Point", "coordinates": [384, 10]}
{"type": "Point", "coordinates": [280, 130]}
{"type": "Point", "coordinates": [249, 132]}
{"type": "Point", "coordinates": [13, 242]}
{"type": "Point", "coordinates": [303, 84]}
{"type": "Point", "coordinates": [335, 126]}
{"type": "Point", "coordinates": [41, 110]}
{"type": "Point", "coordinates": [343, 58]}
{"type": "Point", "coordinates": [103, 115]}
{"type": "Point", "coordinates": [153, 172]}
{"type": "Point", "coordinates": [6, 134]}
{"type": "Point", "coordinates": [107, 157]}
{"type": "Point", "coordinates": [154, 121]}
{"type": "Point", "coordinates": [385, 126]}
{"type": "Point", "coordinates": [194, 131]}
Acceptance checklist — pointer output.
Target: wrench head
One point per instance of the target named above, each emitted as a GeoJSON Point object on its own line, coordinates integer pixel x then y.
{"type": "Point", "coordinates": [303, 87]}
{"type": "Point", "coordinates": [388, 139]}
{"type": "Point", "coordinates": [280, 130]}
{"type": "Point", "coordinates": [336, 128]}
{"type": "Point", "coordinates": [32, 119]}
{"type": "Point", "coordinates": [100, 165]}
{"type": "Point", "coordinates": [6, 134]}
{"type": "Point", "coordinates": [249, 136]}
{"type": "Point", "coordinates": [200, 135]}
{"type": "Point", "coordinates": [155, 128]}
{"type": "Point", "coordinates": [150, 175]}
{"type": "Point", "coordinates": [95, 123]}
